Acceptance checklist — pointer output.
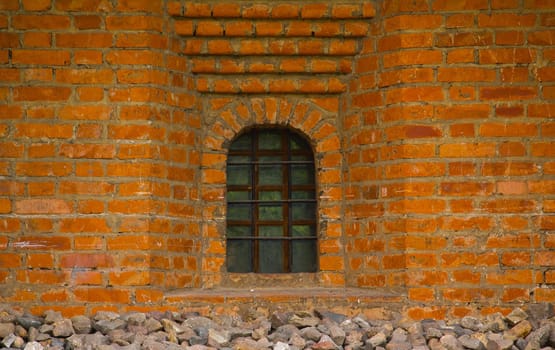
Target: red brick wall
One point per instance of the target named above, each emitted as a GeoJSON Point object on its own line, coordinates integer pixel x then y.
{"type": "Point", "coordinates": [430, 121]}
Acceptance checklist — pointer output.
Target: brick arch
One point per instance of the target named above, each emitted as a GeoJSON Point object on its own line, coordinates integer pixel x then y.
{"type": "Point", "coordinates": [317, 119]}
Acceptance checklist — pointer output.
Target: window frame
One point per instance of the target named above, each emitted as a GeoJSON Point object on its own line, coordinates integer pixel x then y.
{"type": "Point", "coordinates": [286, 187]}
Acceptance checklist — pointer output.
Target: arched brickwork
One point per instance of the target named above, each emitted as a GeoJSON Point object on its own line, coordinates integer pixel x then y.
{"type": "Point", "coordinates": [318, 119]}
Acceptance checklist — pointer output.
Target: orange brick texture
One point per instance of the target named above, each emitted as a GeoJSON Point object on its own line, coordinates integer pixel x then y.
{"type": "Point", "coordinates": [432, 124]}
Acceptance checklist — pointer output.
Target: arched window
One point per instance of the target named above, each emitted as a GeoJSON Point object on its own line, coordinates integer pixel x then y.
{"type": "Point", "coordinates": [271, 203]}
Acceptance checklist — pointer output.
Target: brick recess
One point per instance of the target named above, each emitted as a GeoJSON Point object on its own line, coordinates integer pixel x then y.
{"type": "Point", "coordinates": [431, 123]}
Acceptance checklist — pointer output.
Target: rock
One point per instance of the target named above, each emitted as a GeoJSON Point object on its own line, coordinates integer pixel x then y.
{"type": "Point", "coordinates": [8, 340]}
{"type": "Point", "coordinates": [28, 321]}
{"type": "Point", "coordinates": [281, 346]}
{"type": "Point", "coordinates": [470, 342]}
{"type": "Point", "coordinates": [51, 317]}
{"type": "Point", "coordinates": [81, 324]}
{"type": "Point", "coordinates": [378, 340]}
{"type": "Point", "coordinates": [516, 315]}
{"type": "Point", "coordinates": [311, 333]}
{"type": "Point", "coordinates": [218, 338]}
{"type": "Point", "coordinates": [449, 342]}
{"type": "Point", "coordinates": [520, 330]}
{"type": "Point", "coordinates": [283, 333]}
{"type": "Point", "coordinates": [105, 326]}
{"type": "Point", "coordinates": [538, 338]}
{"type": "Point", "coordinates": [335, 317]}
{"type": "Point", "coordinates": [471, 323]}
{"type": "Point", "coordinates": [538, 312]}
{"type": "Point", "coordinates": [302, 321]}
{"type": "Point", "coordinates": [62, 328]}
{"type": "Point", "coordinates": [33, 346]}
{"type": "Point", "coordinates": [336, 333]}
{"type": "Point", "coordinates": [325, 343]}
{"type": "Point", "coordinates": [135, 318]}
{"type": "Point", "coordinates": [6, 329]}
{"type": "Point", "coordinates": [297, 341]}
{"type": "Point", "coordinates": [153, 325]}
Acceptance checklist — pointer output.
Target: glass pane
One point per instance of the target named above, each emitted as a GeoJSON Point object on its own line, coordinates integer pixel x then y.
{"type": "Point", "coordinates": [302, 174]}
{"type": "Point", "coordinates": [239, 212]}
{"type": "Point", "coordinates": [270, 212]}
{"type": "Point", "coordinates": [269, 195]}
{"type": "Point", "coordinates": [238, 159]}
{"type": "Point", "coordinates": [298, 142]}
{"type": "Point", "coordinates": [301, 157]}
{"type": "Point", "coordinates": [270, 158]}
{"type": "Point", "coordinates": [269, 140]}
{"type": "Point", "coordinates": [270, 175]}
{"type": "Point", "coordinates": [239, 231]}
{"type": "Point", "coordinates": [239, 256]}
{"type": "Point", "coordinates": [242, 143]}
{"type": "Point", "coordinates": [303, 256]}
{"type": "Point", "coordinates": [302, 195]}
{"type": "Point", "coordinates": [270, 231]}
{"type": "Point", "coordinates": [304, 211]}
{"type": "Point", "coordinates": [238, 195]}
{"type": "Point", "coordinates": [238, 174]}
{"type": "Point", "coordinates": [270, 258]}
{"type": "Point", "coordinates": [304, 230]}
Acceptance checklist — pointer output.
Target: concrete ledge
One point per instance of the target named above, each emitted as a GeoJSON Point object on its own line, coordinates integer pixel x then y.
{"type": "Point", "coordinates": [239, 300]}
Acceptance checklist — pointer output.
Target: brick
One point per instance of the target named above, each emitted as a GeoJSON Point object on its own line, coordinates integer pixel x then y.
{"type": "Point", "coordinates": [509, 168]}
{"type": "Point", "coordinates": [110, 295]}
{"type": "Point", "coordinates": [133, 22]}
{"type": "Point", "coordinates": [42, 243]}
{"type": "Point", "coordinates": [88, 22]}
{"type": "Point", "coordinates": [506, 55]}
{"type": "Point", "coordinates": [412, 22]}
{"type": "Point", "coordinates": [461, 39]}
{"type": "Point", "coordinates": [90, 94]}
{"type": "Point", "coordinates": [508, 129]}
{"type": "Point", "coordinates": [412, 132]}
{"type": "Point", "coordinates": [44, 22]}
{"type": "Point", "coordinates": [508, 206]}
{"type": "Point", "coordinates": [84, 40]}
{"type": "Point", "coordinates": [405, 40]}
{"type": "Point", "coordinates": [43, 93]}
{"type": "Point", "coordinates": [506, 20]}
{"type": "Point", "coordinates": [465, 74]}
{"type": "Point", "coordinates": [40, 57]}
{"type": "Point", "coordinates": [42, 206]}
{"type": "Point", "coordinates": [414, 94]}
{"type": "Point", "coordinates": [462, 150]}
{"type": "Point", "coordinates": [37, 130]}
{"type": "Point", "coordinates": [448, 5]}
{"type": "Point", "coordinates": [81, 260]}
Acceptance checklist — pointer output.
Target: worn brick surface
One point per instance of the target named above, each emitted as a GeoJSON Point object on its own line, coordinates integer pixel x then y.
{"type": "Point", "coordinates": [431, 122]}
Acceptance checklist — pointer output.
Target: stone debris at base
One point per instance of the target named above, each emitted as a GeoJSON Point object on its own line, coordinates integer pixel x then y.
{"type": "Point", "coordinates": [533, 329]}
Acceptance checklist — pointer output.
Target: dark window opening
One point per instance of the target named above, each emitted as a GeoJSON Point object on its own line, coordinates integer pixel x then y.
{"type": "Point", "coordinates": [271, 203]}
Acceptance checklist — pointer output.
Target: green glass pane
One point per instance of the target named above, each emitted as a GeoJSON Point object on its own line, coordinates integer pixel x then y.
{"type": "Point", "coordinates": [238, 195]}
{"type": "Point", "coordinates": [239, 256]}
{"type": "Point", "coordinates": [304, 230]}
{"type": "Point", "coordinates": [269, 140]}
{"type": "Point", "coordinates": [239, 231]}
{"type": "Point", "coordinates": [241, 143]}
{"type": "Point", "coordinates": [269, 196]}
{"type": "Point", "coordinates": [270, 212]}
{"type": "Point", "coordinates": [302, 157]}
{"type": "Point", "coordinates": [270, 231]}
{"type": "Point", "coordinates": [270, 259]}
{"type": "Point", "coordinates": [238, 159]}
{"type": "Point", "coordinates": [238, 212]}
{"type": "Point", "coordinates": [302, 174]}
{"type": "Point", "coordinates": [238, 174]}
{"type": "Point", "coordinates": [270, 158]}
{"type": "Point", "coordinates": [304, 211]}
{"type": "Point", "coordinates": [302, 195]}
{"type": "Point", "coordinates": [270, 175]}
{"type": "Point", "coordinates": [298, 143]}
{"type": "Point", "coordinates": [303, 256]}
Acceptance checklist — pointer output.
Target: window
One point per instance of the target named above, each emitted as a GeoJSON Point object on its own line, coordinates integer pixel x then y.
{"type": "Point", "coordinates": [271, 203]}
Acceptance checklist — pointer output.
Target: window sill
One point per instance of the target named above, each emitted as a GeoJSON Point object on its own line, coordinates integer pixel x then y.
{"type": "Point", "coordinates": [314, 296]}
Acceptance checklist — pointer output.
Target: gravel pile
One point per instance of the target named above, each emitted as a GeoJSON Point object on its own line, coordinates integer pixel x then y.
{"type": "Point", "coordinates": [533, 329]}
